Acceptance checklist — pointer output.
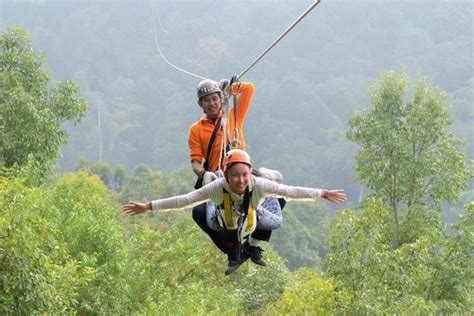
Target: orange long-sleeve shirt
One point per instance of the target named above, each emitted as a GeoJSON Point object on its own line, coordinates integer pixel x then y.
{"type": "Point", "coordinates": [200, 132]}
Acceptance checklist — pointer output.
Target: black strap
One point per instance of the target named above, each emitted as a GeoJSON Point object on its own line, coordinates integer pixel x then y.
{"type": "Point", "coordinates": [211, 143]}
{"type": "Point", "coordinates": [246, 202]}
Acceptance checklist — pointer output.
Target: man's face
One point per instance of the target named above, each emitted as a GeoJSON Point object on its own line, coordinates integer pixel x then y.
{"type": "Point", "coordinates": [211, 105]}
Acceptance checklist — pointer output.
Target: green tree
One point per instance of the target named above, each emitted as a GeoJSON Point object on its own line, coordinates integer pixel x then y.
{"type": "Point", "coordinates": [431, 275]}
{"type": "Point", "coordinates": [83, 209]}
{"type": "Point", "coordinates": [104, 171]}
{"type": "Point", "coordinates": [302, 240]}
{"type": "Point", "coordinates": [376, 277]}
{"type": "Point", "coordinates": [407, 155]}
{"type": "Point", "coordinates": [119, 178]}
{"type": "Point", "coordinates": [37, 273]}
{"type": "Point", "coordinates": [143, 185]}
{"type": "Point", "coordinates": [31, 111]}
{"type": "Point", "coordinates": [453, 266]}
{"type": "Point", "coordinates": [393, 255]}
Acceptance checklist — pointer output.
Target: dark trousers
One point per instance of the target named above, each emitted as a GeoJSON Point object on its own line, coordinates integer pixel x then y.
{"type": "Point", "coordinates": [219, 237]}
{"type": "Point", "coordinates": [234, 246]}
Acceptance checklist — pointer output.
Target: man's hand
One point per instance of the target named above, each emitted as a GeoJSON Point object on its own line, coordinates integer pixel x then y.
{"type": "Point", "coordinates": [135, 208]}
{"type": "Point", "coordinates": [223, 84]}
{"type": "Point", "coordinates": [226, 85]}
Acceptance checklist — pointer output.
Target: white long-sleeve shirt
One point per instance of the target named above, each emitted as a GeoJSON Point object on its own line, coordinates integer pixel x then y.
{"type": "Point", "coordinates": [213, 191]}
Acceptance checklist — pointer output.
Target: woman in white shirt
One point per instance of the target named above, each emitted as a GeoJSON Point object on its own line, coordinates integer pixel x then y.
{"type": "Point", "coordinates": [236, 196]}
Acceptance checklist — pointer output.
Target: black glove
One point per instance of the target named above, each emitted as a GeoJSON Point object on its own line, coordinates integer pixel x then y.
{"type": "Point", "coordinates": [223, 84]}
{"type": "Point", "coordinates": [235, 78]}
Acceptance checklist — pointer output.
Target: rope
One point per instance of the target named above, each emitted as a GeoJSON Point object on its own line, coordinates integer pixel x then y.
{"type": "Point", "coordinates": [311, 7]}
{"type": "Point", "coordinates": [159, 18]}
{"type": "Point", "coordinates": [224, 131]}
{"type": "Point", "coordinates": [161, 53]}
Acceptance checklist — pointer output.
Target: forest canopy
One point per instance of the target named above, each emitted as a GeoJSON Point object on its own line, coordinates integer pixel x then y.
{"type": "Point", "coordinates": [374, 98]}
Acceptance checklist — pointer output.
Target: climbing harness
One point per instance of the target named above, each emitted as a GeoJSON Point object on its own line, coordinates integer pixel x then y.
{"type": "Point", "coordinates": [246, 220]}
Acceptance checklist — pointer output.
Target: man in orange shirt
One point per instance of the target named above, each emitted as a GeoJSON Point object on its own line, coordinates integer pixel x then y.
{"type": "Point", "coordinates": [205, 162]}
{"type": "Point", "coordinates": [210, 100]}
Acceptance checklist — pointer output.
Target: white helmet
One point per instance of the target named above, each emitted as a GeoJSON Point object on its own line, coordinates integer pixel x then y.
{"type": "Point", "coordinates": [206, 87]}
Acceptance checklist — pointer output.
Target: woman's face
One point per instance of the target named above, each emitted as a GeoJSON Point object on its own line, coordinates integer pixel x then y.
{"type": "Point", "coordinates": [238, 177]}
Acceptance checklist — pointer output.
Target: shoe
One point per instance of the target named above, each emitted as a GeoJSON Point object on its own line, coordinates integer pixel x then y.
{"type": "Point", "coordinates": [244, 257]}
{"type": "Point", "coordinates": [255, 254]}
{"type": "Point", "coordinates": [232, 266]}
{"type": "Point", "coordinates": [270, 174]}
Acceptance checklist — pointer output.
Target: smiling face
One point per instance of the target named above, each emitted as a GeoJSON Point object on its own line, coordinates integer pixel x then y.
{"type": "Point", "coordinates": [238, 177]}
{"type": "Point", "coordinates": [211, 105]}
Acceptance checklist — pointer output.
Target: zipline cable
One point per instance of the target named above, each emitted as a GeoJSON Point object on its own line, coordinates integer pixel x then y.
{"type": "Point", "coordinates": [161, 53]}
{"type": "Point", "coordinates": [311, 7]}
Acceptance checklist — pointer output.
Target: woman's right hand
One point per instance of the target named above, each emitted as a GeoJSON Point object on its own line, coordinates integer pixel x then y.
{"type": "Point", "coordinates": [135, 208]}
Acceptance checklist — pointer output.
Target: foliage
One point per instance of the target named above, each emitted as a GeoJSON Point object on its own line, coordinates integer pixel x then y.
{"type": "Point", "coordinates": [407, 156]}
{"type": "Point", "coordinates": [176, 270]}
{"type": "Point", "coordinates": [307, 294]}
{"type": "Point", "coordinates": [146, 184]}
{"type": "Point", "coordinates": [31, 112]}
{"type": "Point", "coordinates": [451, 284]}
{"type": "Point", "coordinates": [119, 178]}
{"type": "Point", "coordinates": [377, 278]}
{"type": "Point", "coordinates": [103, 169]}
{"type": "Point", "coordinates": [83, 209]}
{"type": "Point", "coordinates": [302, 238]}
{"type": "Point", "coordinates": [37, 274]}
{"type": "Point", "coordinates": [428, 275]}
{"type": "Point", "coordinates": [143, 185]}
{"type": "Point", "coordinates": [394, 256]}
{"type": "Point", "coordinates": [168, 274]}
{"type": "Point", "coordinates": [61, 248]}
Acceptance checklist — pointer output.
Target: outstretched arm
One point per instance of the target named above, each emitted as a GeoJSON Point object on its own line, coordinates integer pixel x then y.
{"type": "Point", "coordinates": [175, 202]}
{"type": "Point", "coordinates": [301, 193]}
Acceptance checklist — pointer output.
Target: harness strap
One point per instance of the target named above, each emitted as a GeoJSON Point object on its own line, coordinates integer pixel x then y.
{"type": "Point", "coordinates": [228, 210]}
{"type": "Point", "coordinates": [211, 143]}
{"type": "Point", "coordinates": [246, 207]}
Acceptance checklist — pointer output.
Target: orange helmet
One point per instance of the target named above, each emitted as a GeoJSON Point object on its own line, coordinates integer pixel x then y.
{"type": "Point", "coordinates": [236, 155]}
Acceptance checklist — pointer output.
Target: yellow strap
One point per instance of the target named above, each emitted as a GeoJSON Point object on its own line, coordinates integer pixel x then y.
{"type": "Point", "coordinates": [250, 217]}
{"type": "Point", "coordinates": [228, 211]}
